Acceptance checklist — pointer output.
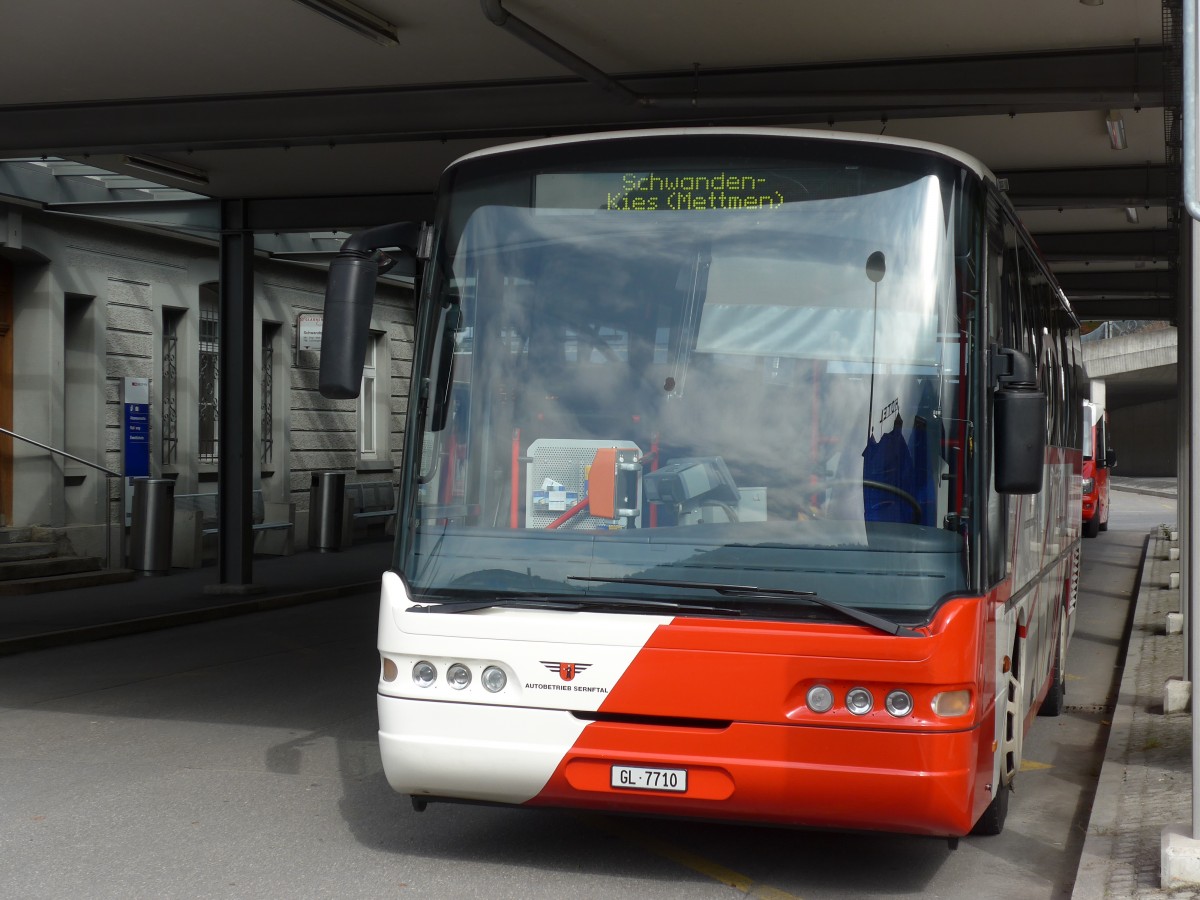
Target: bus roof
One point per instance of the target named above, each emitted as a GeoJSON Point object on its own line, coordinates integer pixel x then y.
{"type": "Point", "coordinates": [963, 159]}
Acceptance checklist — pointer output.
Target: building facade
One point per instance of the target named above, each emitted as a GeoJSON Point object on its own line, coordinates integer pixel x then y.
{"type": "Point", "coordinates": [88, 308]}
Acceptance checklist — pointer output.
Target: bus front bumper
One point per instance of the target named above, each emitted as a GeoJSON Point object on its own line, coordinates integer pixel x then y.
{"type": "Point", "coordinates": [905, 781]}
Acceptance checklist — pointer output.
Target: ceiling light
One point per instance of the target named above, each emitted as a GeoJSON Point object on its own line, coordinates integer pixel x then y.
{"type": "Point", "coordinates": [356, 19]}
{"type": "Point", "coordinates": [164, 168]}
{"type": "Point", "coordinates": [1092, 2]}
{"type": "Point", "coordinates": [1131, 215]}
{"type": "Point", "coordinates": [1116, 129]}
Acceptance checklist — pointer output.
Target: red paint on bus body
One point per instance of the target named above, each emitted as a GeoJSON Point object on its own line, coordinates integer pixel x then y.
{"type": "Point", "coordinates": [727, 702]}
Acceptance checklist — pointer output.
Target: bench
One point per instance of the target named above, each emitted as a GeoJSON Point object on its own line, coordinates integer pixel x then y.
{"type": "Point", "coordinates": [371, 502]}
{"type": "Point", "coordinates": [196, 519]}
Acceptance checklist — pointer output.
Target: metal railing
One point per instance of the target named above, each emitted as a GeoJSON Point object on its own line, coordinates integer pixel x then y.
{"type": "Point", "coordinates": [108, 473]}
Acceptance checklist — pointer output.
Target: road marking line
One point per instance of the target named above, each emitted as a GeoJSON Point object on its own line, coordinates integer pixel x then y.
{"type": "Point", "coordinates": [1028, 765]}
{"type": "Point", "coordinates": [736, 880]}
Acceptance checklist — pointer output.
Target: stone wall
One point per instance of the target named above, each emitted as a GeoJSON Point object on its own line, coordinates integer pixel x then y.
{"type": "Point", "coordinates": [90, 300]}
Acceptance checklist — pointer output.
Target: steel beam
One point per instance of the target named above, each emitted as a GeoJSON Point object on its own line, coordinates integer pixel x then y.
{"type": "Point", "coordinates": [1097, 187]}
{"type": "Point", "coordinates": [290, 214]}
{"type": "Point", "coordinates": [1151, 284]}
{"type": "Point", "coordinates": [1157, 245]}
{"type": "Point", "coordinates": [348, 213]}
{"type": "Point", "coordinates": [999, 84]}
{"type": "Point", "coordinates": [1122, 308]}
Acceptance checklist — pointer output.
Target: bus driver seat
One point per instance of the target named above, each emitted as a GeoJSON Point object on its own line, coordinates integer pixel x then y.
{"type": "Point", "coordinates": [888, 462]}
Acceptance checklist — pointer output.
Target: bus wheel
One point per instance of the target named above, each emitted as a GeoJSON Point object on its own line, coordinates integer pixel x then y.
{"type": "Point", "coordinates": [1055, 696]}
{"type": "Point", "coordinates": [1091, 527]}
{"type": "Point", "coordinates": [992, 820]}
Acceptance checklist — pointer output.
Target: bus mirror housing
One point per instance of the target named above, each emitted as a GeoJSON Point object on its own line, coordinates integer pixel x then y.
{"type": "Point", "coordinates": [1019, 424]}
{"type": "Point", "coordinates": [1110, 460]}
{"type": "Point", "coordinates": [349, 296]}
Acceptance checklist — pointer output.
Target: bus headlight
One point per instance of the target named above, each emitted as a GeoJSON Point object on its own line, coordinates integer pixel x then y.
{"type": "Point", "coordinates": [1089, 485]}
{"type": "Point", "coordinates": [494, 679]}
{"type": "Point", "coordinates": [859, 701]}
{"type": "Point", "coordinates": [820, 698]}
{"type": "Point", "coordinates": [424, 674]}
{"type": "Point", "coordinates": [458, 676]}
{"type": "Point", "coordinates": [899, 703]}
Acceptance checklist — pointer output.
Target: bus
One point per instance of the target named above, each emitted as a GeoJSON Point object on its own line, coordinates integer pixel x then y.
{"type": "Point", "coordinates": [741, 481]}
{"type": "Point", "coordinates": [1098, 458]}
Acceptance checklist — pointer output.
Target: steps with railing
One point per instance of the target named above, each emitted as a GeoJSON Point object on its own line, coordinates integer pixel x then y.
{"type": "Point", "coordinates": [31, 562]}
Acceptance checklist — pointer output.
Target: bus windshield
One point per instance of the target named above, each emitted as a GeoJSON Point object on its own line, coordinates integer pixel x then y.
{"type": "Point", "coordinates": [717, 370]}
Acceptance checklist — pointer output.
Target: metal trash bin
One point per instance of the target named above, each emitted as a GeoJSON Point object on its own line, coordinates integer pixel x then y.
{"type": "Point", "coordinates": [152, 525]}
{"type": "Point", "coordinates": [326, 502]}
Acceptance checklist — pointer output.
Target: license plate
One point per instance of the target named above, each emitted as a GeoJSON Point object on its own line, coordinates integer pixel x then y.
{"type": "Point", "coordinates": [646, 779]}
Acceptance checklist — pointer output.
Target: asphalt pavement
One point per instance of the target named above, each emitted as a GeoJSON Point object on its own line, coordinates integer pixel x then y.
{"type": "Point", "coordinates": [1144, 785]}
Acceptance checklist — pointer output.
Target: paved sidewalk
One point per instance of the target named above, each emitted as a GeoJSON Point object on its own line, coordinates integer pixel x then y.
{"type": "Point", "coordinates": [1145, 782]}
{"type": "Point", "coordinates": [185, 596]}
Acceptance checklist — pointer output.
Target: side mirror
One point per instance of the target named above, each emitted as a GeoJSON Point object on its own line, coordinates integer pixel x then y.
{"type": "Point", "coordinates": [1110, 459]}
{"type": "Point", "coordinates": [1019, 424]}
{"type": "Point", "coordinates": [349, 296]}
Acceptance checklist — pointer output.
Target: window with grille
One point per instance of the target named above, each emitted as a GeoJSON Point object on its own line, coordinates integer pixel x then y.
{"type": "Point", "coordinates": [209, 371]}
{"type": "Point", "coordinates": [170, 386]}
{"type": "Point", "coordinates": [270, 333]}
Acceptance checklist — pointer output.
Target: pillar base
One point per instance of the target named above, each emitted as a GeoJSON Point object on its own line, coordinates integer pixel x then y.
{"type": "Point", "coordinates": [235, 589]}
{"type": "Point", "coordinates": [1177, 695]}
{"type": "Point", "coordinates": [1180, 857]}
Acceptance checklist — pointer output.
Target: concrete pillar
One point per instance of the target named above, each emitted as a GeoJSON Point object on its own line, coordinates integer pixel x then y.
{"type": "Point", "coordinates": [37, 396]}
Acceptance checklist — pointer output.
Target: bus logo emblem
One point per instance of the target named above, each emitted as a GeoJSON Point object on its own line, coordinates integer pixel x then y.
{"type": "Point", "coordinates": [566, 670]}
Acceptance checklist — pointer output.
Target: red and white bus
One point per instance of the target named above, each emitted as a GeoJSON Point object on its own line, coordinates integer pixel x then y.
{"type": "Point", "coordinates": [741, 481]}
{"type": "Point", "coordinates": [1098, 458]}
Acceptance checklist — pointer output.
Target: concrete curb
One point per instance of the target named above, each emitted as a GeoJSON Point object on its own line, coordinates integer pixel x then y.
{"type": "Point", "coordinates": [1149, 491]}
{"type": "Point", "coordinates": [176, 619]}
{"type": "Point", "coordinates": [1094, 875]}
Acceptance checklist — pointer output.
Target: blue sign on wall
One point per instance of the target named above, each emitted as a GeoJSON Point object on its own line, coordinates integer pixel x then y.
{"type": "Point", "coordinates": [136, 427]}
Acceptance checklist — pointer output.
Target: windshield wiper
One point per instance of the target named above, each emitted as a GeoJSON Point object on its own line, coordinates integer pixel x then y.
{"type": "Point", "coordinates": [461, 605]}
{"type": "Point", "coordinates": [572, 604]}
{"type": "Point", "coordinates": [756, 593]}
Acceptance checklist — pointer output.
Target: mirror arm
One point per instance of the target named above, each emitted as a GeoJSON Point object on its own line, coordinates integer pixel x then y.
{"type": "Point", "coordinates": [1013, 369]}
{"type": "Point", "coordinates": [365, 243]}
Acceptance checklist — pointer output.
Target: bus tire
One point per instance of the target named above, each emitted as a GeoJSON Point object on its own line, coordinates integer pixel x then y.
{"type": "Point", "coordinates": [992, 820]}
{"type": "Point", "coordinates": [1055, 698]}
{"type": "Point", "coordinates": [1091, 527]}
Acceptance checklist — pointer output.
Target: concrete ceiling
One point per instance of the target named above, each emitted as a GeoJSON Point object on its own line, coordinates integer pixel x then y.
{"type": "Point", "coordinates": [274, 103]}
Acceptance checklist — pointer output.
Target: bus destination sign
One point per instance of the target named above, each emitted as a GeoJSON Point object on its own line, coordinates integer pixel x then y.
{"type": "Point", "coordinates": [651, 192]}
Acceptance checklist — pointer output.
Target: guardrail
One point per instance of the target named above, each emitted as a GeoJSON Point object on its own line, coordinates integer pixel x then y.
{"type": "Point", "coordinates": [108, 473]}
